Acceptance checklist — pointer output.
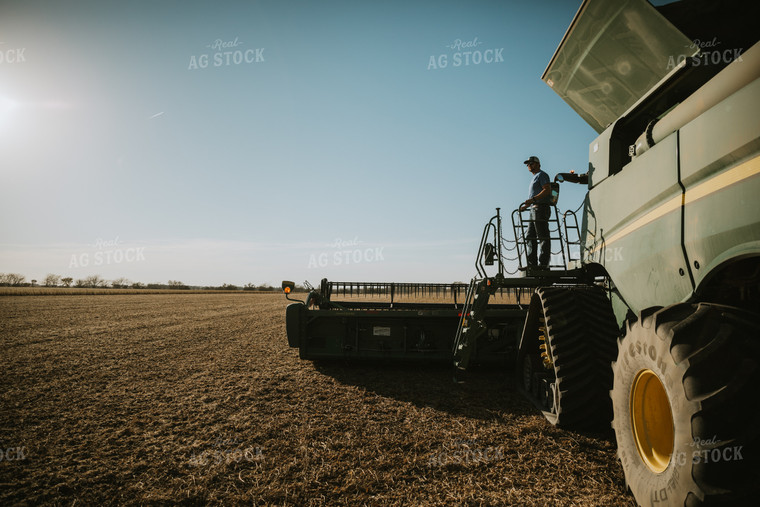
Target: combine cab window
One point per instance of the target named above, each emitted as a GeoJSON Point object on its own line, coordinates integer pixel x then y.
{"type": "Point", "coordinates": [611, 56]}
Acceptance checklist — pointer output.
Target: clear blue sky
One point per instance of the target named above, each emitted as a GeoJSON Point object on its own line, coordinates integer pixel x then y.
{"type": "Point", "coordinates": [116, 144]}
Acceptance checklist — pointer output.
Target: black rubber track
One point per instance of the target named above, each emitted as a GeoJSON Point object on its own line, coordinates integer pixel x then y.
{"type": "Point", "coordinates": [581, 331]}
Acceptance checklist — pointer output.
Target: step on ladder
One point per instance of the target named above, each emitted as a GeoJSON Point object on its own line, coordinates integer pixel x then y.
{"type": "Point", "coordinates": [471, 325]}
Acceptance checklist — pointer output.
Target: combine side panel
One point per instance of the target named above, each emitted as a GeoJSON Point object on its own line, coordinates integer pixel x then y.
{"type": "Point", "coordinates": [720, 169]}
{"type": "Point", "coordinates": [637, 228]}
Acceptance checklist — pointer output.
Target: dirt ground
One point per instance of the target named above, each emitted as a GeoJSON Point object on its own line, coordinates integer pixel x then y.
{"type": "Point", "coordinates": [197, 399]}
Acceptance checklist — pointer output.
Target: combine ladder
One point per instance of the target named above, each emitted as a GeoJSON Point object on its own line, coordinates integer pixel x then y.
{"type": "Point", "coordinates": [471, 325]}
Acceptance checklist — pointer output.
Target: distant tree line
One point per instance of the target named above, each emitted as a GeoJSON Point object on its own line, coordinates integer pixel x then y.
{"type": "Point", "coordinates": [96, 281]}
{"type": "Point", "coordinates": [12, 280]}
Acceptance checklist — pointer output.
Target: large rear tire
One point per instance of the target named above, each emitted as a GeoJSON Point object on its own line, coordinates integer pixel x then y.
{"type": "Point", "coordinates": [685, 405]}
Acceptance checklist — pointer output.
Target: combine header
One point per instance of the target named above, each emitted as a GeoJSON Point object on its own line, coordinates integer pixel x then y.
{"type": "Point", "coordinates": [661, 339]}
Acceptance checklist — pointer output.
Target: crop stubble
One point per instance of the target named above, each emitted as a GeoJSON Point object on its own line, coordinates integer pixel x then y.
{"type": "Point", "coordinates": [198, 399]}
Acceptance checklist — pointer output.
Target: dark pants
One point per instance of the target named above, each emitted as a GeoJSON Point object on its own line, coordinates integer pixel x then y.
{"type": "Point", "coordinates": [538, 232]}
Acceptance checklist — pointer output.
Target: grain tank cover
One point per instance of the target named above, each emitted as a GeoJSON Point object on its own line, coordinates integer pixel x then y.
{"type": "Point", "coordinates": [612, 54]}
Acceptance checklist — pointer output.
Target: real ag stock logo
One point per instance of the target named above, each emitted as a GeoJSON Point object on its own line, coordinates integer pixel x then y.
{"type": "Point", "coordinates": [346, 252]}
{"type": "Point", "coordinates": [225, 452]}
{"type": "Point", "coordinates": [11, 55]}
{"type": "Point", "coordinates": [709, 54]}
{"type": "Point", "coordinates": [465, 53]}
{"type": "Point", "coordinates": [709, 450]}
{"type": "Point", "coordinates": [465, 452]}
{"type": "Point", "coordinates": [226, 53]}
{"type": "Point", "coordinates": [107, 252]}
{"type": "Point", "coordinates": [12, 453]}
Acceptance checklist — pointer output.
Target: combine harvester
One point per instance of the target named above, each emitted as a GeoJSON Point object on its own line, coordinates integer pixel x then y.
{"type": "Point", "coordinates": [651, 320]}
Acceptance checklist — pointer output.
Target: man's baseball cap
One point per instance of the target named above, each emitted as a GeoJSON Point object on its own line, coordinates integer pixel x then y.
{"type": "Point", "coordinates": [532, 158]}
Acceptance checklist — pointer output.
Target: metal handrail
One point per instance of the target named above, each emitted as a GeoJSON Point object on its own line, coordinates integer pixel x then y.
{"type": "Point", "coordinates": [567, 234]}
{"type": "Point", "coordinates": [496, 228]}
{"type": "Point", "coordinates": [465, 310]}
{"type": "Point", "coordinates": [520, 224]}
{"type": "Point", "coordinates": [394, 289]}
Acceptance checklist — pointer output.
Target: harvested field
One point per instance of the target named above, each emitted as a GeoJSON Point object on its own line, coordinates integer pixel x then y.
{"type": "Point", "coordinates": [81, 291]}
{"type": "Point", "coordinates": [197, 399]}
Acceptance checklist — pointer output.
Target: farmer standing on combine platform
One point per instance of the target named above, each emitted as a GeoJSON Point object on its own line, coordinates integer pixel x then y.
{"type": "Point", "coordinates": [538, 229]}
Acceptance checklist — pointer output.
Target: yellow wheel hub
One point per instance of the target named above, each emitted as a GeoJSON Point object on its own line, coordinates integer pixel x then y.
{"type": "Point", "coordinates": [652, 421]}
